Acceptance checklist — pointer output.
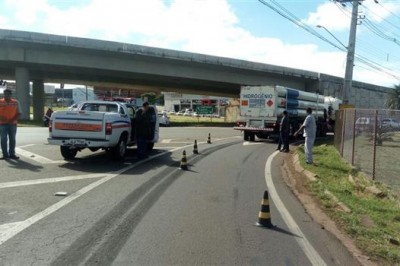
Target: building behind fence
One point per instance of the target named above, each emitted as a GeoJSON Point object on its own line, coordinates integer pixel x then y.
{"type": "Point", "coordinates": [370, 141]}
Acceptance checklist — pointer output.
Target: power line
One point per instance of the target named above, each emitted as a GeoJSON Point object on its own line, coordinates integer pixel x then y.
{"type": "Point", "coordinates": [291, 17]}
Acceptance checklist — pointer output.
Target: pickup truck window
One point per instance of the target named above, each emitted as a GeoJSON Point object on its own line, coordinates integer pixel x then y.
{"type": "Point", "coordinates": [131, 112]}
{"type": "Point", "coordinates": [101, 107]}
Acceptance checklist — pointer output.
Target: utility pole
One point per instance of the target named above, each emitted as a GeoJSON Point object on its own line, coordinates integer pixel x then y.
{"type": "Point", "coordinates": [348, 77]}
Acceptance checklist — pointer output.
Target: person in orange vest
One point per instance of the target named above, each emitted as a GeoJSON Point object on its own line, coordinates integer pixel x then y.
{"type": "Point", "coordinates": [9, 114]}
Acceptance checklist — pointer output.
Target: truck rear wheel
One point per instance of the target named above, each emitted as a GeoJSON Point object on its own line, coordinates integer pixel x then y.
{"type": "Point", "coordinates": [245, 135]}
{"type": "Point", "coordinates": [118, 152]}
{"type": "Point", "coordinates": [68, 153]}
{"type": "Point", "coordinates": [252, 136]}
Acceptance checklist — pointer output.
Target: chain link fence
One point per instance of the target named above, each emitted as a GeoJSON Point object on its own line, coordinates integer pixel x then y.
{"type": "Point", "coordinates": [370, 140]}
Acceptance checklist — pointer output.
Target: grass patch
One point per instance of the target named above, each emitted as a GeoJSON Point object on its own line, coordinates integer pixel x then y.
{"type": "Point", "coordinates": [374, 223]}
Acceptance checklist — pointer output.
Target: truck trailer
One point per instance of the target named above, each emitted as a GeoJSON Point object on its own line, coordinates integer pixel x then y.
{"type": "Point", "coordinates": [261, 109]}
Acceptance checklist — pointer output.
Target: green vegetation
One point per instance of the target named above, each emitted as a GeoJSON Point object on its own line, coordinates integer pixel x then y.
{"type": "Point", "coordinates": [175, 120]}
{"type": "Point", "coordinates": [374, 220]}
{"type": "Point", "coordinates": [189, 121]}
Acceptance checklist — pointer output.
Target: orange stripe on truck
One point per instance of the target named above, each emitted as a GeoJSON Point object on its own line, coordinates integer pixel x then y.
{"type": "Point", "coordinates": [78, 127]}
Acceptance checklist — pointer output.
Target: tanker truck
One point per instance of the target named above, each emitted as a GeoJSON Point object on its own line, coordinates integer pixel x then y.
{"type": "Point", "coordinates": [261, 109]}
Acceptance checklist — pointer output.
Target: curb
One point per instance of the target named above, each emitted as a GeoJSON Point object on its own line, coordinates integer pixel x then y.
{"type": "Point", "coordinates": [316, 212]}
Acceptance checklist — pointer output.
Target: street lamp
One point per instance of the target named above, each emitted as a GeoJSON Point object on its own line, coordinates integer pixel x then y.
{"type": "Point", "coordinates": [330, 33]}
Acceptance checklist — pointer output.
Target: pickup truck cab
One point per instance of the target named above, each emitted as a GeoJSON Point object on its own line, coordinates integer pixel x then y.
{"type": "Point", "coordinates": [97, 125]}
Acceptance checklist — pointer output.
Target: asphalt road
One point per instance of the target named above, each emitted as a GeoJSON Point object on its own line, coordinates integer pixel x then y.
{"type": "Point", "coordinates": [151, 212]}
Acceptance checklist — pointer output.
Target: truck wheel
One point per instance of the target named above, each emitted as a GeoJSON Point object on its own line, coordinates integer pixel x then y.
{"type": "Point", "coordinates": [245, 135]}
{"type": "Point", "coordinates": [118, 152]}
{"type": "Point", "coordinates": [150, 146]}
{"type": "Point", "coordinates": [68, 153]}
{"type": "Point", "coordinates": [252, 137]}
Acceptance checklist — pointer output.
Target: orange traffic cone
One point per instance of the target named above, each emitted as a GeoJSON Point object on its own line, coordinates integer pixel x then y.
{"type": "Point", "coordinates": [184, 161]}
{"type": "Point", "coordinates": [264, 216]}
{"type": "Point", "coordinates": [195, 150]}
{"type": "Point", "coordinates": [209, 138]}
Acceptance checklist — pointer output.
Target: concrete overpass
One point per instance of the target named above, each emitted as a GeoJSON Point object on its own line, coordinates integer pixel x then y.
{"type": "Point", "coordinates": [41, 58]}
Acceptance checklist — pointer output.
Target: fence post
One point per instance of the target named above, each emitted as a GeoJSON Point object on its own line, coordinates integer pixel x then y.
{"type": "Point", "coordinates": [374, 153]}
{"type": "Point", "coordinates": [343, 131]}
{"type": "Point", "coordinates": [354, 137]}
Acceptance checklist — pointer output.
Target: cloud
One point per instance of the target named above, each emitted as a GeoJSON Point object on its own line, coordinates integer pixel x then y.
{"type": "Point", "coordinates": [206, 26]}
{"type": "Point", "coordinates": [330, 15]}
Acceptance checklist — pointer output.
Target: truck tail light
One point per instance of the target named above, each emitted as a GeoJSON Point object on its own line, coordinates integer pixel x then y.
{"type": "Point", "coordinates": [108, 128]}
{"type": "Point", "coordinates": [50, 126]}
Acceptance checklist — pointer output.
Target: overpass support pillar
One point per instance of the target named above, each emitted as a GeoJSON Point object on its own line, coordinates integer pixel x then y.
{"type": "Point", "coordinates": [22, 93]}
{"type": "Point", "coordinates": [38, 99]}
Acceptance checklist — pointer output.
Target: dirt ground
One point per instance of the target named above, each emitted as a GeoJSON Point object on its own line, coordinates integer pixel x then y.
{"type": "Point", "coordinates": [296, 178]}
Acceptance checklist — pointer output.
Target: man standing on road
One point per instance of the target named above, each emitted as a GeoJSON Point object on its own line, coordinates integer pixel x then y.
{"type": "Point", "coordinates": [310, 129]}
{"type": "Point", "coordinates": [284, 128]}
{"type": "Point", "coordinates": [143, 130]}
{"type": "Point", "coordinates": [9, 114]}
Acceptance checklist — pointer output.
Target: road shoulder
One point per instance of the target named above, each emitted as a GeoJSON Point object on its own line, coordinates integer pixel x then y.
{"type": "Point", "coordinates": [297, 178]}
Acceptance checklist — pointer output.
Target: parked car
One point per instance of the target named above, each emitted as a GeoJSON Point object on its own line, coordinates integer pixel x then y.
{"type": "Point", "coordinates": [391, 123]}
{"type": "Point", "coordinates": [366, 124]}
{"type": "Point", "coordinates": [163, 120]}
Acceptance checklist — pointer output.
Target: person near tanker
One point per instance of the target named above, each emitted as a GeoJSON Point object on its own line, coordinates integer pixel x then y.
{"type": "Point", "coordinates": [310, 129]}
{"type": "Point", "coordinates": [142, 122]}
{"type": "Point", "coordinates": [284, 129]}
{"type": "Point", "coordinates": [9, 114]}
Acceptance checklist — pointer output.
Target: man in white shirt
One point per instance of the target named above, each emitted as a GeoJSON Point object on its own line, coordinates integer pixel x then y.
{"type": "Point", "coordinates": [310, 129]}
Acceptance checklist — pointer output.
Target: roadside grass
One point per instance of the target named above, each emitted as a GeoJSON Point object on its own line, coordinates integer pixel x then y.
{"type": "Point", "coordinates": [374, 221]}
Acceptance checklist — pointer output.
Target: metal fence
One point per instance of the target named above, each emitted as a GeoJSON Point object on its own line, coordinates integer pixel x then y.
{"type": "Point", "coordinates": [370, 140]}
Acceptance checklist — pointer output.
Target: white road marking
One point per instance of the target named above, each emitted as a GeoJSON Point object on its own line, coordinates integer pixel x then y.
{"type": "Point", "coordinates": [305, 245]}
{"type": "Point", "coordinates": [11, 232]}
{"type": "Point", "coordinates": [166, 140]}
{"type": "Point", "coordinates": [247, 143]}
{"type": "Point", "coordinates": [4, 227]}
{"type": "Point", "coordinates": [35, 157]}
{"type": "Point", "coordinates": [49, 180]}
{"type": "Point", "coordinates": [7, 231]}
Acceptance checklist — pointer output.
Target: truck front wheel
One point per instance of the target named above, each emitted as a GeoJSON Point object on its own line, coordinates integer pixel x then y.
{"type": "Point", "coordinates": [68, 153]}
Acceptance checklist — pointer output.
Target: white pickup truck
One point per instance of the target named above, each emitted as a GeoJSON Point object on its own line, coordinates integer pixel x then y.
{"type": "Point", "coordinates": [97, 125]}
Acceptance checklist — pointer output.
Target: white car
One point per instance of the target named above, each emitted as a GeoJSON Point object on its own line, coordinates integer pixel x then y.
{"type": "Point", "coordinates": [163, 120]}
{"type": "Point", "coordinates": [391, 123]}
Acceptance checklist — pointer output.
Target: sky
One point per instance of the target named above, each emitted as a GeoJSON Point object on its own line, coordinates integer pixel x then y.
{"type": "Point", "coordinates": [277, 32]}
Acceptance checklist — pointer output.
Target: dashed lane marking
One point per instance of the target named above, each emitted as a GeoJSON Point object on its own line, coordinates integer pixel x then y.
{"type": "Point", "coordinates": [48, 180]}
{"type": "Point", "coordinates": [35, 157]}
{"type": "Point", "coordinates": [247, 143]}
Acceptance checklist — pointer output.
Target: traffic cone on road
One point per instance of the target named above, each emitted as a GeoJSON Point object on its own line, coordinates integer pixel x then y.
{"type": "Point", "coordinates": [184, 161]}
{"type": "Point", "coordinates": [209, 138]}
{"type": "Point", "coordinates": [264, 216]}
{"type": "Point", "coordinates": [195, 150]}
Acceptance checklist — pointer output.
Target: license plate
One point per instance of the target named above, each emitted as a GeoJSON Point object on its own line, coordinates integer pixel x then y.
{"type": "Point", "coordinates": [77, 142]}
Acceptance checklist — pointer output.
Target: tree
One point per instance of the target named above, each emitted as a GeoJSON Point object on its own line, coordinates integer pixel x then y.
{"type": "Point", "coordinates": [393, 98]}
{"type": "Point", "coordinates": [149, 96]}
